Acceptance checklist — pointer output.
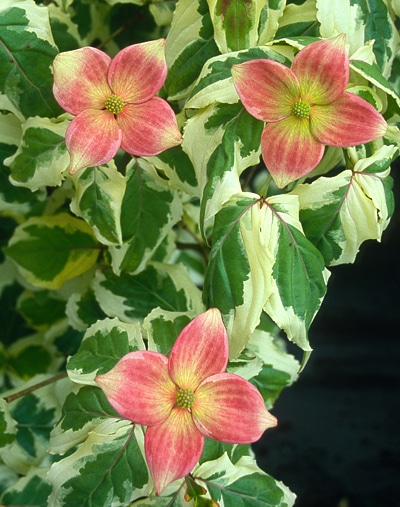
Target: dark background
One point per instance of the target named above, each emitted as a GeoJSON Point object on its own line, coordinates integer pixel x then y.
{"type": "Point", "coordinates": [337, 443]}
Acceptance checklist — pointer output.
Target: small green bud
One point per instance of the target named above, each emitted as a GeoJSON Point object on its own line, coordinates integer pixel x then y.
{"type": "Point", "coordinates": [301, 109]}
{"type": "Point", "coordinates": [114, 104]}
{"type": "Point", "coordinates": [185, 398]}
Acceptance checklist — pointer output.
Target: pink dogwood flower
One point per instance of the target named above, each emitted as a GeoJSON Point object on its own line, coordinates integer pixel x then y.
{"type": "Point", "coordinates": [114, 103]}
{"type": "Point", "coordinates": [186, 397]}
{"type": "Point", "coordinates": [305, 107]}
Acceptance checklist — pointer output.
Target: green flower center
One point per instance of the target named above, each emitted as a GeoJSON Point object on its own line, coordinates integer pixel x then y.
{"type": "Point", "coordinates": [301, 109]}
{"type": "Point", "coordinates": [185, 398]}
{"type": "Point", "coordinates": [114, 104]}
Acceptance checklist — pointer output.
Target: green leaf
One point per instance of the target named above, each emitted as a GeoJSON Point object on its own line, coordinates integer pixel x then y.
{"type": "Point", "coordinates": [131, 297]}
{"type": "Point", "coordinates": [297, 20]}
{"type": "Point", "coordinates": [226, 274]}
{"type": "Point", "coordinates": [42, 157]}
{"type": "Point", "coordinates": [35, 415]}
{"type": "Point", "coordinates": [270, 383]}
{"type": "Point", "coordinates": [41, 309]}
{"type": "Point", "coordinates": [31, 356]}
{"type": "Point", "coordinates": [98, 200]}
{"type": "Point", "coordinates": [340, 213]}
{"type": "Point", "coordinates": [381, 29]}
{"type": "Point", "coordinates": [163, 12]}
{"type": "Point", "coordinates": [237, 284]}
{"type": "Point", "coordinates": [375, 77]}
{"type": "Point", "coordinates": [362, 21]}
{"type": "Point", "coordinates": [8, 426]}
{"type": "Point", "coordinates": [215, 84]}
{"type": "Point", "coordinates": [83, 407]}
{"type": "Point", "coordinates": [242, 484]}
{"type": "Point", "coordinates": [299, 281]}
{"type": "Point", "coordinates": [18, 199]}
{"type": "Point", "coordinates": [221, 141]}
{"type": "Point", "coordinates": [253, 490]}
{"type": "Point", "coordinates": [65, 242]}
{"type": "Point", "coordinates": [213, 450]}
{"type": "Point", "coordinates": [280, 369]}
{"type": "Point", "coordinates": [83, 310]}
{"type": "Point", "coordinates": [190, 43]}
{"type": "Point", "coordinates": [27, 51]}
{"type": "Point", "coordinates": [148, 213]}
{"type": "Point", "coordinates": [33, 421]}
{"type": "Point", "coordinates": [275, 268]}
{"type": "Point", "coordinates": [162, 329]}
{"type": "Point", "coordinates": [30, 490]}
{"type": "Point", "coordinates": [103, 345]}
{"type": "Point", "coordinates": [270, 20]}
{"type": "Point", "coordinates": [64, 31]}
{"type": "Point", "coordinates": [176, 166]}
{"type": "Point", "coordinates": [235, 23]}
{"type": "Point", "coordinates": [107, 469]}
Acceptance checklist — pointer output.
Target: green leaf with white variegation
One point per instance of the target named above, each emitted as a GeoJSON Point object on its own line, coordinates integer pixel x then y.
{"type": "Point", "coordinates": [190, 43]}
{"type": "Point", "coordinates": [215, 84]}
{"type": "Point", "coordinates": [163, 12]}
{"type": "Point", "coordinates": [33, 355]}
{"type": "Point", "coordinates": [235, 23]}
{"type": "Point", "coordinates": [176, 166]}
{"type": "Point", "coordinates": [272, 350]}
{"type": "Point", "coordinates": [374, 76]}
{"type": "Point", "coordinates": [31, 489]}
{"type": "Point", "coordinates": [83, 310]}
{"type": "Point", "coordinates": [157, 501]}
{"type": "Point", "coordinates": [368, 94]}
{"type": "Point", "coordinates": [162, 328]}
{"type": "Point", "coordinates": [10, 128]}
{"type": "Point", "coordinates": [82, 411]}
{"type": "Point", "coordinates": [107, 469]}
{"type": "Point", "coordinates": [329, 207]}
{"type": "Point", "coordinates": [104, 343]}
{"type": "Point", "coordinates": [228, 283]}
{"type": "Point", "coordinates": [87, 404]}
{"type": "Point", "coordinates": [299, 276]}
{"type": "Point", "coordinates": [276, 268]}
{"type": "Point", "coordinates": [42, 157]}
{"type": "Point", "coordinates": [8, 426]}
{"type": "Point", "coordinates": [361, 21]}
{"type": "Point", "coordinates": [13, 199]}
{"type": "Point", "coordinates": [342, 16]}
{"type": "Point", "coordinates": [27, 50]}
{"type": "Point", "coordinates": [297, 20]}
{"type": "Point", "coordinates": [64, 30]}
{"type": "Point", "coordinates": [98, 200]}
{"type": "Point", "coordinates": [380, 27]}
{"type": "Point", "coordinates": [35, 415]}
{"type": "Point", "coordinates": [149, 211]}
{"type": "Point", "coordinates": [222, 141]}
{"type": "Point", "coordinates": [41, 309]}
{"type": "Point", "coordinates": [270, 20]}
{"type": "Point", "coordinates": [8, 478]}
{"type": "Point", "coordinates": [247, 365]}
{"type": "Point", "coordinates": [242, 484]}
{"type": "Point", "coordinates": [67, 244]}
{"type": "Point", "coordinates": [133, 297]}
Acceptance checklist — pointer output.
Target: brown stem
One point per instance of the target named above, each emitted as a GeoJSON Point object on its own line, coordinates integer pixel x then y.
{"type": "Point", "coordinates": [20, 394]}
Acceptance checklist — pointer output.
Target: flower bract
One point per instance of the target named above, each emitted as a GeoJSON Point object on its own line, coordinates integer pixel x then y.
{"type": "Point", "coordinates": [185, 397]}
{"type": "Point", "coordinates": [305, 107]}
{"type": "Point", "coordinates": [114, 103]}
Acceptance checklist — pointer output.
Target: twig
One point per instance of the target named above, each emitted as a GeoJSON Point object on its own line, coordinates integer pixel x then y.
{"type": "Point", "coordinates": [39, 385]}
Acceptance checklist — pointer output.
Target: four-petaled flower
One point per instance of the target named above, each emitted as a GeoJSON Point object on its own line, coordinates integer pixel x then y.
{"type": "Point", "coordinates": [114, 103]}
{"type": "Point", "coordinates": [186, 397]}
{"type": "Point", "coordinates": [306, 108]}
